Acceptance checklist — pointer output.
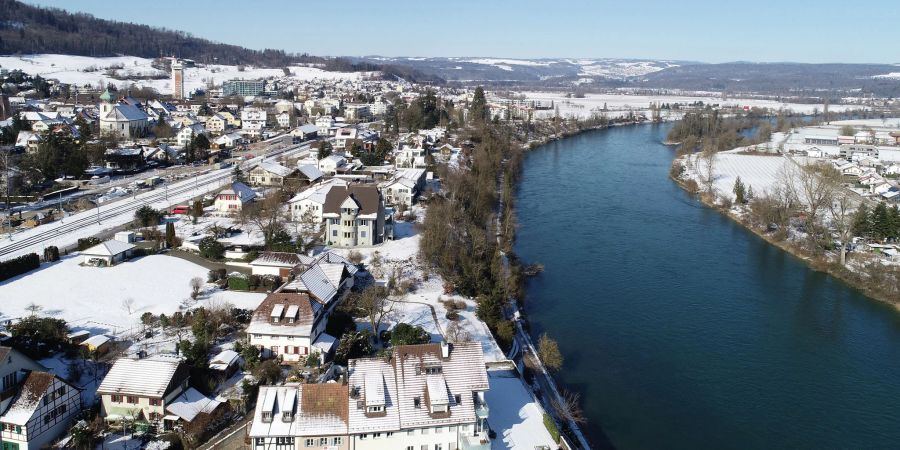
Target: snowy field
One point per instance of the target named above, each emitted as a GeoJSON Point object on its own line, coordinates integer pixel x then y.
{"type": "Point", "coordinates": [756, 171]}
{"type": "Point", "coordinates": [515, 415]}
{"type": "Point", "coordinates": [96, 298]}
{"type": "Point", "coordinates": [620, 104]}
{"type": "Point", "coordinates": [82, 70]}
{"type": "Point", "coordinates": [413, 308]}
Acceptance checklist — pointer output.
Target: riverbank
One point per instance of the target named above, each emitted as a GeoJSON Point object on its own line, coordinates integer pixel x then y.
{"type": "Point", "coordinates": [818, 264]}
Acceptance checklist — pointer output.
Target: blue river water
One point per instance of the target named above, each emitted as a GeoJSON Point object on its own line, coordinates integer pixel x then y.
{"type": "Point", "coordinates": [682, 330]}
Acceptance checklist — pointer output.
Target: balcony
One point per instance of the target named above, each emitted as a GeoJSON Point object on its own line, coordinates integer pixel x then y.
{"type": "Point", "coordinates": [481, 410]}
{"type": "Point", "coordinates": [478, 442]}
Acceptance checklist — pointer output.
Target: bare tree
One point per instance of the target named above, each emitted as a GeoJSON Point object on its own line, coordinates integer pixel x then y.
{"type": "Point", "coordinates": [456, 333]}
{"type": "Point", "coordinates": [267, 215]}
{"type": "Point", "coordinates": [814, 186]}
{"type": "Point", "coordinates": [128, 305]}
{"type": "Point", "coordinates": [842, 220]}
{"type": "Point", "coordinates": [568, 406]}
{"type": "Point", "coordinates": [375, 305]}
{"type": "Point", "coordinates": [309, 231]}
{"type": "Point", "coordinates": [707, 169]}
{"type": "Point", "coordinates": [196, 285]}
{"type": "Point", "coordinates": [34, 308]}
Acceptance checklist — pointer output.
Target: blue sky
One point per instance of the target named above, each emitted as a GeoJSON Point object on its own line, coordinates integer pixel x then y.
{"type": "Point", "coordinates": [710, 31]}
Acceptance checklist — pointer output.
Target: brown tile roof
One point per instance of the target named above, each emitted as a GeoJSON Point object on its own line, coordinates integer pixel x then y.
{"type": "Point", "coordinates": [366, 195]}
{"type": "Point", "coordinates": [327, 399]}
{"type": "Point", "coordinates": [263, 312]}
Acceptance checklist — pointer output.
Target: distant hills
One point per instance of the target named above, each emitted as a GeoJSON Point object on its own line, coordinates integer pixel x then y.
{"type": "Point", "coordinates": [27, 29]}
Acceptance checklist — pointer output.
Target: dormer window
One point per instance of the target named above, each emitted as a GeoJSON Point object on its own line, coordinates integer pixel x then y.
{"type": "Point", "coordinates": [266, 416]}
{"type": "Point", "coordinates": [375, 409]}
{"type": "Point", "coordinates": [417, 402]}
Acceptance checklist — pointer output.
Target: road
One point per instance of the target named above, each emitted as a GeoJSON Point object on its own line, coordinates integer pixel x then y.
{"type": "Point", "coordinates": [65, 233]}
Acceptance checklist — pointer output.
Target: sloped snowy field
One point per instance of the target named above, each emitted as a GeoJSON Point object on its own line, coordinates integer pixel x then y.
{"type": "Point", "coordinates": [82, 70]}
{"type": "Point", "coordinates": [92, 298]}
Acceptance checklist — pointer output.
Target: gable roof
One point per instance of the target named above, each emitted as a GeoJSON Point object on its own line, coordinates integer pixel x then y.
{"type": "Point", "coordinates": [279, 302]}
{"type": "Point", "coordinates": [275, 168]}
{"type": "Point", "coordinates": [190, 403]}
{"type": "Point", "coordinates": [152, 377]}
{"type": "Point", "coordinates": [28, 399]}
{"type": "Point", "coordinates": [310, 171]}
{"type": "Point", "coordinates": [367, 196]}
{"type": "Point", "coordinates": [109, 248]}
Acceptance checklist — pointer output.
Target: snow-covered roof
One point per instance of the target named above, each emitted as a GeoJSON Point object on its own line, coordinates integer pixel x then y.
{"type": "Point", "coordinates": [301, 410]}
{"type": "Point", "coordinates": [310, 171]}
{"type": "Point", "coordinates": [386, 420]}
{"type": "Point", "coordinates": [123, 112]}
{"type": "Point", "coordinates": [224, 360]}
{"type": "Point", "coordinates": [190, 403]}
{"type": "Point", "coordinates": [280, 259]}
{"type": "Point", "coordinates": [109, 248]}
{"type": "Point", "coordinates": [273, 307]}
{"type": "Point", "coordinates": [308, 128]}
{"type": "Point", "coordinates": [275, 168]}
{"type": "Point", "coordinates": [244, 193]}
{"type": "Point", "coordinates": [324, 343]}
{"type": "Point", "coordinates": [27, 401]}
{"type": "Point", "coordinates": [96, 341]}
{"type": "Point", "coordinates": [150, 377]}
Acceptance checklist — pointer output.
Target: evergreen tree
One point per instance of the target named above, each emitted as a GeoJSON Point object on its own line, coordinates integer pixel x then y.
{"type": "Point", "coordinates": [170, 234]}
{"type": "Point", "coordinates": [324, 150]}
{"type": "Point", "coordinates": [881, 222]}
{"type": "Point", "coordinates": [478, 110]}
{"type": "Point", "coordinates": [739, 191]}
{"type": "Point", "coordinates": [238, 175]}
{"type": "Point", "coordinates": [861, 221]}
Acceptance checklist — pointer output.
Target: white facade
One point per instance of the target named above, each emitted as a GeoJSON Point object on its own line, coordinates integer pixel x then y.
{"type": "Point", "coordinates": [40, 413]}
{"type": "Point", "coordinates": [253, 120]}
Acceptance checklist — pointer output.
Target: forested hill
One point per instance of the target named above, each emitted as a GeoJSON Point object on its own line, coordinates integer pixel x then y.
{"type": "Point", "coordinates": [31, 29]}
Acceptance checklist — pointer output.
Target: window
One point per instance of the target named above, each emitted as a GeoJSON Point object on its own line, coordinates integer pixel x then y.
{"type": "Point", "coordinates": [260, 441]}
{"type": "Point", "coordinates": [132, 399]}
{"type": "Point", "coordinates": [310, 442]}
{"type": "Point", "coordinates": [410, 432]}
{"type": "Point", "coordinates": [375, 408]}
{"type": "Point", "coordinates": [458, 399]}
{"type": "Point", "coordinates": [438, 429]}
{"type": "Point", "coordinates": [424, 447]}
{"type": "Point", "coordinates": [389, 434]}
{"type": "Point", "coordinates": [438, 447]}
{"type": "Point", "coordinates": [18, 429]}
{"type": "Point", "coordinates": [424, 430]}
{"type": "Point", "coordinates": [362, 234]}
{"type": "Point", "coordinates": [116, 398]}
{"type": "Point", "coordinates": [9, 380]}
{"type": "Point", "coordinates": [376, 435]}
{"type": "Point", "coordinates": [267, 416]}
{"type": "Point", "coordinates": [452, 428]}
{"type": "Point", "coordinates": [323, 441]}
{"type": "Point", "coordinates": [417, 402]}
{"type": "Point", "coordinates": [337, 441]}
{"type": "Point", "coordinates": [363, 437]}
{"type": "Point", "coordinates": [334, 233]}
{"type": "Point", "coordinates": [156, 402]}
{"type": "Point", "coordinates": [410, 447]}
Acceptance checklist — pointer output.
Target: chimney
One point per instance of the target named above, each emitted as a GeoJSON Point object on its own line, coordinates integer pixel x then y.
{"type": "Point", "coordinates": [445, 349]}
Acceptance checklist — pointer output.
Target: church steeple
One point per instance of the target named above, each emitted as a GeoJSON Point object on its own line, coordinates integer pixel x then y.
{"type": "Point", "coordinates": [106, 102]}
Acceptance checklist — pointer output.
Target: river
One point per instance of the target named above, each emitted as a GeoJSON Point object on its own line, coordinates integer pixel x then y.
{"type": "Point", "coordinates": [682, 330]}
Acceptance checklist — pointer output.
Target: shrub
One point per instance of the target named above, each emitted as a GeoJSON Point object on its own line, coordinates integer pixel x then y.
{"type": "Point", "coordinates": [237, 283]}
{"type": "Point", "coordinates": [51, 253]}
{"type": "Point", "coordinates": [406, 334]}
{"type": "Point", "coordinates": [86, 243]}
{"type": "Point", "coordinates": [18, 266]}
{"type": "Point", "coordinates": [210, 248]}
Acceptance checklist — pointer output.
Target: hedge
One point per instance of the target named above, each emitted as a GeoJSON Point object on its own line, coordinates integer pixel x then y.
{"type": "Point", "coordinates": [551, 427]}
{"type": "Point", "coordinates": [86, 243]}
{"type": "Point", "coordinates": [238, 284]}
{"type": "Point", "coordinates": [18, 266]}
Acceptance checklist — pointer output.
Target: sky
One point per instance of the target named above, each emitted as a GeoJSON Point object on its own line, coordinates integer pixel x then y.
{"type": "Point", "coordinates": [863, 31]}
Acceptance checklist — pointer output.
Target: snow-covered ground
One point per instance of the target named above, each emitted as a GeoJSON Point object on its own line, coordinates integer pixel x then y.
{"type": "Point", "coordinates": [413, 308]}
{"type": "Point", "coordinates": [761, 172]}
{"type": "Point", "coordinates": [84, 70]}
{"type": "Point", "coordinates": [111, 299]}
{"type": "Point", "coordinates": [620, 104]}
{"type": "Point", "coordinates": [515, 415]}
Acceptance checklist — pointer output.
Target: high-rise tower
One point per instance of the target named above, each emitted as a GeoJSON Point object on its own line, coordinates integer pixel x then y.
{"type": "Point", "coordinates": [177, 79]}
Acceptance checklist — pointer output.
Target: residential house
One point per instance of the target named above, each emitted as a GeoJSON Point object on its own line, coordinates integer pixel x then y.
{"type": "Point", "coordinates": [305, 132]}
{"type": "Point", "coordinates": [310, 416]}
{"type": "Point", "coordinates": [308, 174]}
{"type": "Point", "coordinates": [354, 216]}
{"type": "Point", "coordinates": [41, 409]}
{"type": "Point", "coordinates": [226, 363]}
{"type": "Point", "coordinates": [404, 188]}
{"type": "Point", "coordinates": [232, 199]}
{"type": "Point", "coordinates": [312, 199]}
{"type": "Point", "coordinates": [409, 157]}
{"type": "Point", "coordinates": [283, 119]}
{"type": "Point", "coordinates": [126, 159]}
{"type": "Point", "coordinates": [421, 397]}
{"type": "Point", "coordinates": [253, 120]}
{"type": "Point", "coordinates": [229, 140]}
{"type": "Point", "coordinates": [187, 133]}
{"type": "Point", "coordinates": [217, 124]}
{"type": "Point", "coordinates": [108, 253]}
{"type": "Point", "coordinates": [285, 325]}
{"type": "Point", "coordinates": [152, 390]}
{"type": "Point", "coordinates": [332, 164]}
{"type": "Point", "coordinates": [325, 124]}
{"type": "Point", "coordinates": [28, 140]}
{"type": "Point", "coordinates": [277, 263]}
{"type": "Point", "coordinates": [270, 174]}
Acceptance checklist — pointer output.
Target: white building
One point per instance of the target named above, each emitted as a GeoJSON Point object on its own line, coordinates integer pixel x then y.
{"type": "Point", "coordinates": [331, 164]}
{"type": "Point", "coordinates": [312, 199]}
{"type": "Point", "coordinates": [354, 216]}
{"type": "Point", "coordinates": [232, 200]}
{"type": "Point", "coordinates": [40, 410]}
{"type": "Point", "coordinates": [126, 121]}
{"type": "Point", "coordinates": [285, 325]}
{"type": "Point", "coordinates": [253, 120]}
